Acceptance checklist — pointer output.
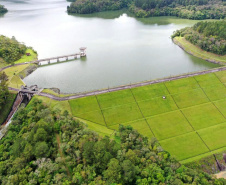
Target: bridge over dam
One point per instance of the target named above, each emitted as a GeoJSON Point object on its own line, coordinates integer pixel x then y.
{"type": "Point", "coordinates": [81, 54]}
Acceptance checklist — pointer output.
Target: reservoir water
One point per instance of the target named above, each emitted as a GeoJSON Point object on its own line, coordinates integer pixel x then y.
{"type": "Point", "coordinates": [121, 49]}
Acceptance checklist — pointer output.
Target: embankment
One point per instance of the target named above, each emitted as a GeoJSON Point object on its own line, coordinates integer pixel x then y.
{"type": "Point", "coordinates": [198, 52]}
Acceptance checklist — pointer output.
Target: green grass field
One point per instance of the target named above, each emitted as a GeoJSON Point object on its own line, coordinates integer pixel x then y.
{"type": "Point", "coordinates": [25, 58]}
{"type": "Point", "coordinates": [189, 123]}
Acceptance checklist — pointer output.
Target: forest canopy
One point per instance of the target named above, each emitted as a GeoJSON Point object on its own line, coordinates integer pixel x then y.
{"type": "Point", "coordinates": [50, 147]}
{"type": "Point", "coordinates": [2, 9]}
{"type": "Point", "coordinates": [10, 49]}
{"type": "Point", "coordinates": [4, 92]}
{"type": "Point", "coordinates": [190, 9]}
{"type": "Point", "coordinates": [209, 36]}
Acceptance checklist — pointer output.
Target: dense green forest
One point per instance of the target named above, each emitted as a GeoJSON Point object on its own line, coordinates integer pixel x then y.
{"type": "Point", "coordinates": [2, 9]}
{"type": "Point", "coordinates": [4, 92]}
{"type": "Point", "coordinates": [10, 49]}
{"type": "Point", "coordinates": [209, 36]}
{"type": "Point", "coordinates": [6, 98]}
{"type": "Point", "coordinates": [190, 9]}
{"type": "Point", "coordinates": [43, 146]}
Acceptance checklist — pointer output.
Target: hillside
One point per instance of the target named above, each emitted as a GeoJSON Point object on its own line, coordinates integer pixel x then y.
{"type": "Point", "coordinates": [199, 9]}
{"type": "Point", "coordinates": [12, 51]}
{"type": "Point", "coordinates": [44, 146]}
{"type": "Point", "coordinates": [209, 36]}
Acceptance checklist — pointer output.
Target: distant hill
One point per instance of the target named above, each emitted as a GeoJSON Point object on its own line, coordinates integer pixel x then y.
{"type": "Point", "coordinates": [3, 9]}
{"type": "Point", "coordinates": [190, 9]}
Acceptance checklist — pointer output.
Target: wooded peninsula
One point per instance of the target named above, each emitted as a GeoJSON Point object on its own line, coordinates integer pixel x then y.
{"type": "Point", "coordinates": [209, 36]}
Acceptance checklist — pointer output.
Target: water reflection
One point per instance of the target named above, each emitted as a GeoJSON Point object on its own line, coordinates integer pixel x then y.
{"type": "Point", "coordinates": [121, 49]}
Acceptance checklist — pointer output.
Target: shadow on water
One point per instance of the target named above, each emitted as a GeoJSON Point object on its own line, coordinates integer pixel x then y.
{"type": "Point", "coordinates": [103, 15]}
{"type": "Point", "coordinates": [2, 15]}
{"type": "Point", "coordinates": [199, 62]}
{"type": "Point", "coordinates": [16, 1]}
{"type": "Point", "coordinates": [161, 20]}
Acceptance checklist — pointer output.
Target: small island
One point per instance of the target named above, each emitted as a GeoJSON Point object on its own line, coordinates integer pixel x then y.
{"type": "Point", "coordinates": [206, 40]}
{"type": "Point", "coordinates": [198, 10]}
{"type": "Point", "coordinates": [3, 9]}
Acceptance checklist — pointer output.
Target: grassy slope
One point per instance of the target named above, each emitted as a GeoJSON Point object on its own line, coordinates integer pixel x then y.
{"type": "Point", "coordinates": [192, 107]}
{"type": "Point", "coordinates": [12, 73]}
{"type": "Point", "coordinates": [198, 52]}
{"type": "Point", "coordinates": [26, 58]}
{"type": "Point", "coordinates": [49, 91]}
{"type": "Point", "coordinates": [64, 105]}
{"type": "Point", "coordinates": [23, 59]}
{"type": "Point", "coordinates": [6, 109]}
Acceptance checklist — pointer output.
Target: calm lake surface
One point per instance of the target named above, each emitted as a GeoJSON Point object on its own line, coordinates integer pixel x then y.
{"type": "Point", "coordinates": [120, 48]}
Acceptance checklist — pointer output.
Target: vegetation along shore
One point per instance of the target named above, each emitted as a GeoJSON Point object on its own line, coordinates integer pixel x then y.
{"type": "Point", "coordinates": [190, 9]}
{"type": "Point", "coordinates": [3, 9]}
{"type": "Point", "coordinates": [206, 40]}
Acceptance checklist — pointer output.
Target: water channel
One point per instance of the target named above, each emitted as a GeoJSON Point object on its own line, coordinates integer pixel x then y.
{"type": "Point", "coordinates": [121, 49]}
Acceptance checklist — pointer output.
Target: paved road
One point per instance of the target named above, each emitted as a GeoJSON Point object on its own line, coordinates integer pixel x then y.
{"type": "Point", "coordinates": [126, 86]}
{"type": "Point", "coordinates": [1, 69]}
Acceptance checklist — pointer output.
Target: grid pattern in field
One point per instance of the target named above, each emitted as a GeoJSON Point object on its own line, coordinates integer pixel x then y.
{"type": "Point", "coordinates": [187, 116]}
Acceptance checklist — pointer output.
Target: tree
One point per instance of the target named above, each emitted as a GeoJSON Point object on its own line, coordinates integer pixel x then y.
{"type": "Point", "coordinates": [113, 173]}
{"type": "Point", "coordinates": [129, 171]}
{"type": "Point", "coordinates": [41, 135]}
{"type": "Point", "coordinates": [41, 150]}
{"type": "Point", "coordinates": [4, 92]}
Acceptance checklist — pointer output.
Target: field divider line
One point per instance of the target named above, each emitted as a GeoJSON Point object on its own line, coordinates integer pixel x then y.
{"type": "Point", "coordinates": [210, 99]}
{"type": "Point", "coordinates": [142, 114]}
{"type": "Point", "coordinates": [211, 153]}
{"type": "Point", "coordinates": [218, 78]}
{"type": "Point", "coordinates": [180, 109]}
{"type": "Point", "coordinates": [176, 136]}
{"type": "Point", "coordinates": [101, 111]}
{"type": "Point", "coordinates": [192, 125]}
{"type": "Point", "coordinates": [218, 165]}
{"type": "Point", "coordinates": [92, 122]}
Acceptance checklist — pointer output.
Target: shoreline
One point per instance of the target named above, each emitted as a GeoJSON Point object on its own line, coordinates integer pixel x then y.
{"type": "Point", "coordinates": [123, 87]}
{"type": "Point", "coordinates": [196, 54]}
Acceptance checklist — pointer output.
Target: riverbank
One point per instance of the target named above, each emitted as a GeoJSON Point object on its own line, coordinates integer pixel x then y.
{"type": "Point", "coordinates": [198, 52]}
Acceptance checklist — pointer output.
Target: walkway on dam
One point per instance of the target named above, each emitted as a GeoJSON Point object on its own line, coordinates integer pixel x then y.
{"type": "Point", "coordinates": [123, 87]}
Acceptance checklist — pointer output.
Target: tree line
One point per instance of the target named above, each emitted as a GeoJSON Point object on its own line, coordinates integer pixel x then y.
{"type": "Point", "coordinates": [10, 49]}
{"type": "Point", "coordinates": [209, 36]}
{"type": "Point", "coordinates": [190, 9]}
{"type": "Point", "coordinates": [3, 9]}
{"type": "Point", "coordinates": [44, 146]}
{"type": "Point", "coordinates": [4, 92]}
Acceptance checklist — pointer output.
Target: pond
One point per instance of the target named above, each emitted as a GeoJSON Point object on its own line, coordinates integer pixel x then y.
{"type": "Point", "coordinates": [121, 49]}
